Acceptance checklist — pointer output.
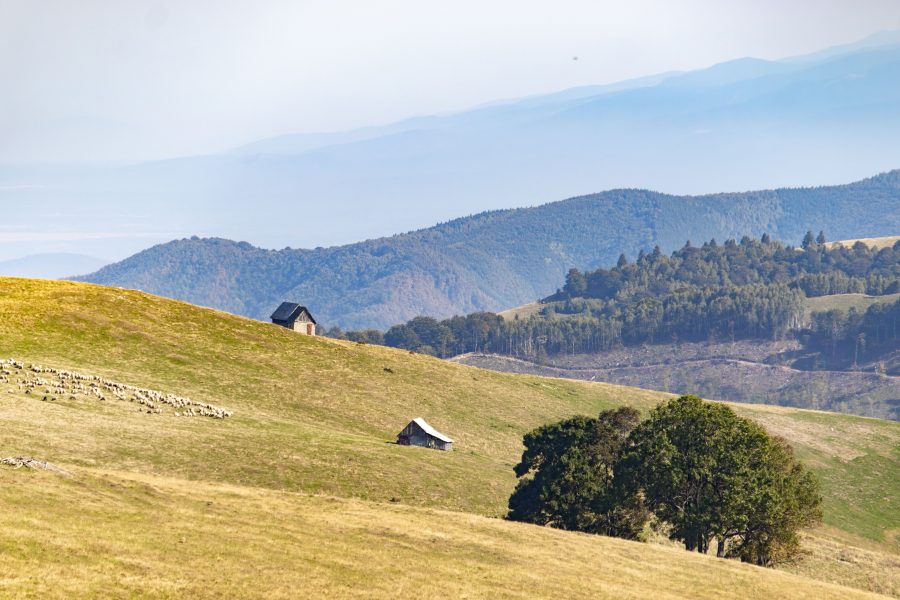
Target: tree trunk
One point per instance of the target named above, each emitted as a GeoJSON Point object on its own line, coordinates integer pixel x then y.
{"type": "Point", "coordinates": [690, 542]}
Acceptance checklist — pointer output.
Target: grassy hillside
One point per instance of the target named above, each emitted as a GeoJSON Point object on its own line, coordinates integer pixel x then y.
{"type": "Point", "coordinates": [137, 535]}
{"type": "Point", "coordinates": [521, 312]}
{"type": "Point", "coordinates": [493, 260]}
{"type": "Point", "coordinates": [845, 302]}
{"type": "Point", "coordinates": [316, 416]}
{"type": "Point", "coordinates": [877, 242]}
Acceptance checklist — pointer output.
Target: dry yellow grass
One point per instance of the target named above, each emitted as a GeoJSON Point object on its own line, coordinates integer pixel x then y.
{"type": "Point", "coordinates": [857, 567]}
{"type": "Point", "coordinates": [522, 312]}
{"type": "Point", "coordinates": [107, 534]}
{"type": "Point", "coordinates": [879, 242]}
{"type": "Point", "coordinates": [310, 414]}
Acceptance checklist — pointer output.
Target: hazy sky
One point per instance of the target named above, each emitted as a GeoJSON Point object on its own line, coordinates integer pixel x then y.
{"type": "Point", "coordinates": [153, 78]}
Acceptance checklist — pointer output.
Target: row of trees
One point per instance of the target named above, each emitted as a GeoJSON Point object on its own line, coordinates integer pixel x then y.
{"type": "Point", "coordinates": [593, 326]}
{"type": "Point", "coordinates": [817, 270]}
{"type": "Point", "coordinates": [746, 290]}
{"type": "Point", "coordinates": [851, 333]}
{"type": "Point", "coordinates": [586, 325]}
{"type": "Point", "coordinates": [477, 332]}
{"type": "Point", "coordinates": [693, 469]}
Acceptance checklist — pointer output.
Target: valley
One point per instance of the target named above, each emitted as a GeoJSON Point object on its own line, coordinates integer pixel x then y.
{"type": "Point", "coordinates": [754, 371]}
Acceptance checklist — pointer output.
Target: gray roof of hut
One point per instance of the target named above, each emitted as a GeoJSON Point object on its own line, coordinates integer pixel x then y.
{"type": "Point", "coordinates": [289, 311]}
{"type": "Point", "coordinates": [431, 430]}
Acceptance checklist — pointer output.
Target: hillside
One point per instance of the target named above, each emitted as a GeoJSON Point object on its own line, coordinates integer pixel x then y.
{"type": "Point", "coordinates": [690, 321]}
{"type": "Point", "coordinates": [314, 416]}
{"type": "Point", "coordinates": [492, 260]}
{"type": "Point", "coordinates": [174, 538]}
{"type": "Point", "coordinates": [845, 302]}
{"type": "Point", "coordinates": [758, 370]}
{"type": "Point", "coordinates": [878, 242]}
{"type": "Point", "coordinates": [746, 124]}
{"type": "Point", "coordinates": [720, 371]}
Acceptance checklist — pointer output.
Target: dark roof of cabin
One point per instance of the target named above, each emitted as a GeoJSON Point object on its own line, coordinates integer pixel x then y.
{"type": "Point", "coordinates": [289, 311]}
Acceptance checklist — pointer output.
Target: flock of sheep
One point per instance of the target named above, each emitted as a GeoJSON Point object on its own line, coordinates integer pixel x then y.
{"type": "Point", "coordinates": [53, 384]}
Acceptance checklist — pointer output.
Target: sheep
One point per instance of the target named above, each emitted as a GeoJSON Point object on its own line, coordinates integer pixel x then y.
{"type": "Point", "coordinates": [69, 383]}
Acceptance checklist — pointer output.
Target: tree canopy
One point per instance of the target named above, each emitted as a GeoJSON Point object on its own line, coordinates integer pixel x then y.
{"type": "Point", "coordinates": [739, 290]}
{"type": "Point", "coordinates": [712, 475]}
{"type": "Point", "coordinates": [566, 476]}
{"type": "Point", "coordinates": [704, 473]}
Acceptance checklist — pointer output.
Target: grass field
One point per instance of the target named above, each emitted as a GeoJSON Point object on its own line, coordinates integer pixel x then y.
{"type": "Point", "coordinates": [879, 242]}
{"type": "Point", "coordinates": [522, 312]}
{"type": "Point", "coordinates": [845, 302]}
{"type": "Point", "coordinates": [103, 533]}
{"type": "Point", "coordinates": [315, 418]}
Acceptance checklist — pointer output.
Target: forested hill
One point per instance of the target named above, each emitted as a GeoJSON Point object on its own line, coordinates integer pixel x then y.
{"type": "Point", "coordinates": [755, 289]}
{"type": "Point", "coordinates": [492, 260]}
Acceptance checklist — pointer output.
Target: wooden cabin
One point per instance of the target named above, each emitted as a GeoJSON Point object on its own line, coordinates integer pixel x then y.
{"type": "Point", "coordinates": [296, 317]}
{"type": "Point", "coordinates": [420, 433]}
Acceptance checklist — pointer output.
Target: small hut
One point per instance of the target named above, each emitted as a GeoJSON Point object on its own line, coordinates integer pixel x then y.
{"type": "Point", "coordinates": [420, 433]}
{"type": "Point", "coordinates": [296, 317]}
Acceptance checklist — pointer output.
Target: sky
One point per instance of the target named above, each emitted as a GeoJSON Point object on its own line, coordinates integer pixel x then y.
{"type": "Point", "coordinates": [92, 80]}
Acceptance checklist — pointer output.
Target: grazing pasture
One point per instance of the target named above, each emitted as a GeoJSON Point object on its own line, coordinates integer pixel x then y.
{"type": "Point", "coordinates": [309, 446]}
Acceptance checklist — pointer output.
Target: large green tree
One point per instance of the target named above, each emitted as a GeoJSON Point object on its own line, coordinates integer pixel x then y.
{"type": "Point", "coordinates": [712, 475]}
{"type": "Point", "coordinates": [789, 500]}
{"type": "Point", "coordinates": [567, 476]}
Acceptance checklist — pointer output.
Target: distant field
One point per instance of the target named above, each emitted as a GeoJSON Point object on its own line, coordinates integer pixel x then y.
{"type": "Point", "coordinates": [316, 416]}
{"type": "Point", "coordinates": [522, 312]}
{"type": "Point", "coordinates": [844, 302]}
{"type": "Point", "coordinates": [878, 242]}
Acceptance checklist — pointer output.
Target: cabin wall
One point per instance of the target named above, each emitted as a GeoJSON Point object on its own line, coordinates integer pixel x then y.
{"type": "Point", "coordinates": [307, 328]}
{"type": "Point", "coordinates": [304, 327]}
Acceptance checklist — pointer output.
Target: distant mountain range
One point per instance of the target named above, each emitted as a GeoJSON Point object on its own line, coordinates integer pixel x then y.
{"type": "Point", "coordinates": [51, 266]}
{"type": "Point", "coordinates": [830, 117]}
{"type": "Point", "coordinates": [493, 260]}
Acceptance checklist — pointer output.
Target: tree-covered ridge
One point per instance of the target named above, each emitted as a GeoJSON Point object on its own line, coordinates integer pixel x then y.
{"type": "Point", "coordinates": [492, 260]}
{"type": "Point", "coordinates": [738, 290]}
{"type": "Point", "coordinates": [853, 333]}
{"type": "Point", "coordinates": [817, 270]}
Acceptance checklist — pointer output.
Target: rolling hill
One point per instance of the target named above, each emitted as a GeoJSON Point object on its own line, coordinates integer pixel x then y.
{"type": "Point", "coordinates": [300, 489]}
{"type": "Point", "coordinates": [492, 260]}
